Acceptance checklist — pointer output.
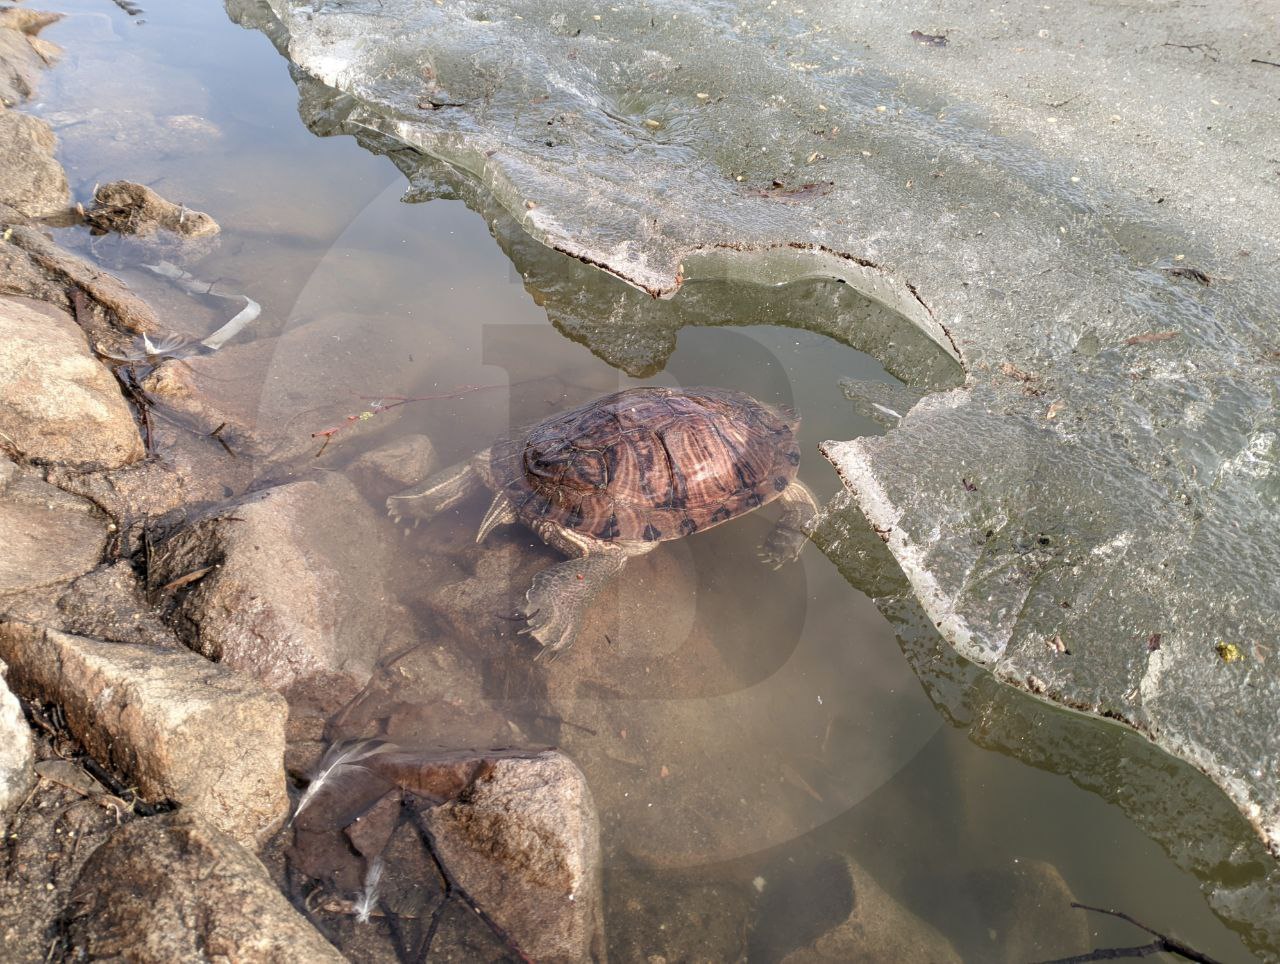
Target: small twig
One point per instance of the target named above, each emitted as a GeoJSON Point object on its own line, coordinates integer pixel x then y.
{"type": "Point", "coordinates": [1269, 63]}
{"type": "Point", "coordinates": [1162, 944]}
{"type": "Point", "coordinates": [379, 404]}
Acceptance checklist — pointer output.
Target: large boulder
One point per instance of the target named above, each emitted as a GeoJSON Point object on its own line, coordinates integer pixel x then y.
{"type": "Point", "coordinates": [175, 889]}
{"type": "Point", "coordinates": [57, 402]}
{"type": "Point", "coordinates": [524, 842]}
{"type": "Point", "coordinates": [182, 729]}
{"type": "Point", "coordinates": [296, 595]}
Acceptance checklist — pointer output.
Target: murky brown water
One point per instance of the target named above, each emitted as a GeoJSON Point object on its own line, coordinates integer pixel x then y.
{"type": "Point", "coordinates": [739, 727]}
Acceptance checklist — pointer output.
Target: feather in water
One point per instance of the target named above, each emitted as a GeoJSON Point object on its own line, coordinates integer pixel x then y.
{"type": "Point", "coordinates": [368, 898]}
{"type": "Point", "coordinates": [340, 762]}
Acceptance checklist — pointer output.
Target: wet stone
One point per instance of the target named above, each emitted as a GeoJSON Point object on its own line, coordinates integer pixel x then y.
{"type": "Point", "coordinates": [15, 749]}
{"type": "Point", "coordinates": [181, 729]}
{"type": "Point", "coordinates": [22, 53]}
{"type": "Point", "coordinates": [393, 467]}
{"type": "Point", "coordinates": [49, 536]}
{"type": "Point", "coordinates": [294, 594]}
{"type": "Point", "coordinates": [32, 182]}
{"type": "Point", "coordinates": [57, 402]}
{"type": "Point", "coordinates": [33, 266]}
{"type": "Point", "coordinates": [524, 842]}
{"type": "Point", "coordinates": [870, 924]}
{"type": "Point", "coordinates": [175, 889]}
{"type": "Point", "coordinates": [129, 208]}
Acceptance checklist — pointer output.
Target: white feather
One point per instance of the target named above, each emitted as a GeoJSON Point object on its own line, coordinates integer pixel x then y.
{"type": "Point", "coordinates": [339, 761]}
{"type": "Point", "coordinates": [368, 898]}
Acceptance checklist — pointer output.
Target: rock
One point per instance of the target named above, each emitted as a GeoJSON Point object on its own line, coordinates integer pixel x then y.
{"type": "Point", "coordinates": [524, 843]}
{"type": "Point", "coordinates": [181, 729]}
{"type": "Point", "coordinates": [50, 537]}
{"type": "Point", "coordinates": [57, 402]}
{"type": "Point", "coordinates": [297, 598]}
{"type": "Point", "coordinates": [272, 393]}
{"type": "Point", "coordinates": [22, 53]}
{"type": "Point", "coordinates": [129, 208]}
{"type": "Point", "coordinates": [658, 697]}
{"type": "Point", "coordinates": [1012, 915]}
{"type": "Point", "coordinates": [47, 840]}
{"type": "Point", "coordinates": [33, 266]}
{"type": "Point", "coordinates": [689, 916]}
{"type": "Point", "coordinates": [32, 181]}
{"type": "Point", "coordinates": [872, 925]}
{"type": "Point", "coordinates": [15, 749]}
{"type": "Point", "coordinates": [109, 604]}
{"type": "Point", "coordinates": [175, 889]}
{"type": "Point", "coordinates": [393, 467]}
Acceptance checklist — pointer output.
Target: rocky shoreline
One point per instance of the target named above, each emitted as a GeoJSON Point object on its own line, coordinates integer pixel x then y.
{"type": "Point", "coordinates": [169, 639]}
{"type": "Point", "coordinates": [203, 630]}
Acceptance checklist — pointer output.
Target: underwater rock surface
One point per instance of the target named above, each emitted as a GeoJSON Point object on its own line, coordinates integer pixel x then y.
{"type": "Point", "coordinates": [1068, 207]}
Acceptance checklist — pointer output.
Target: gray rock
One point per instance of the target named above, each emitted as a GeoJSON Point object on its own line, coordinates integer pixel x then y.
{"type": "Point", "coordinates": [50, 537]}
{"type": "Point", "coordinates": [32, 181]}
{"type": "Point", "coordinates": [15, 749]}
{"type": "Point", "coordinates": [296, 597]}
{"type": "Point", "coordinates": [57, 402]}
{"type": "Point", "coordinates": [524, 842]}
{"type": "Point", "coordinates": [182, 729]}
{"type": "Point", "coordinates": [130, 208]}
{"type": "Point", "coordinates": [175, 889]}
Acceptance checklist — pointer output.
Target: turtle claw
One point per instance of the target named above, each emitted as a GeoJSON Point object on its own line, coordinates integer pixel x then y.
{"type": "Point", "coordinates": [781, 546]}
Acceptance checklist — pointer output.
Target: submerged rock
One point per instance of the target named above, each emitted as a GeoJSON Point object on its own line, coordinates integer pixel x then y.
{"type": "Point", "coordinates": [32, 182]}
{"type": "Point", "coordinates": [129, 208]}
{"type": "Point", "coordinates": [33, 266]}
{"type": "Point", "coordinates": [175, 889]}
{"type": "Point", "coordinates": [525, 843]}
{"type": "Point", "coordinates": [57, 402]}
{"type": "Point", "coordinates": [182, 729]}
{"type": "Point", "coordinates": [392, 467]}
{"type": "Point", "coordinates": [15, 749]}
{"type": "Point", "coordinates": [293, 590]}
{"type": "Point", "coordinates": [869, 925]}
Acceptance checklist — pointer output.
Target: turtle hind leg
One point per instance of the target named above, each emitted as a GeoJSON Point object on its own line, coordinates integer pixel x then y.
{"type": "Point", "coordinates": [559, 596]}
{"type": "Point", "coordinates": [799, 508]}
{"type": "Point", "coordinates": [440, 492]}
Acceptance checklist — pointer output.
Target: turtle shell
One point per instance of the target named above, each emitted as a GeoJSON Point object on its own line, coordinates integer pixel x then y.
{"type": "Point", "coordinates": [649, 464]}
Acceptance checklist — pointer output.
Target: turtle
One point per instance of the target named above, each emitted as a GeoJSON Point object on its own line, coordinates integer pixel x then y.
{"type": "Point", "coordinates": [615, 477]}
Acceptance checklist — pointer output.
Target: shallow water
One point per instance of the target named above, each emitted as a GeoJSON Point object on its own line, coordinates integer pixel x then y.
{"type": "Point", "coordinates": [773, 719]}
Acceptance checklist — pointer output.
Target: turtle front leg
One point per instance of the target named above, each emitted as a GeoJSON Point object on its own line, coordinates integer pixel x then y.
{"type": "Point", "coordinates": [559, 596]}
{"type": "Point", "coordinates": [799, 507]}
{"type": "Point", "coordinates": [440, 492]}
